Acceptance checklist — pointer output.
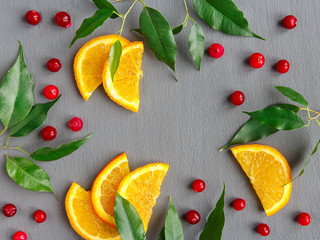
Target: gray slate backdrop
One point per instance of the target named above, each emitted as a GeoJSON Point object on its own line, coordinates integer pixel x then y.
{"type": "Point", "coordinates": [183, 124]}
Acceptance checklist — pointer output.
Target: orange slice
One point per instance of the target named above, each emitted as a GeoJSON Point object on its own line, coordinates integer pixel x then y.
{"type": "Point", "coordinates": [103, 192]}
{"type": "Point", "coordinates": [124, 89]}
{"type": "Point", "coordinates": [83, 219]}
{"type": "Point", "coordinates": [142, 188]}
{"type": "Point", "coordinates": [268, 171]}
{"type": "Point", "coordinates": [90, 60]}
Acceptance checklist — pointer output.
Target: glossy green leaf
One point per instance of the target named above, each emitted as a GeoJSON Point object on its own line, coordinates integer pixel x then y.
{"type": "Point", "coordinates": [253, 130]}
{"type": "Point", "coordinates": [28, 175]}
{"type": "Point", "coordinates": [92, 23]}
{"type": "Point", "coordinates": [176, 30]}
{"type": "Point", "coordinates": [173, 228]}
{"type": "Point", "coordinates": [307, 162]}
{"type": "Point", "coordinates": [158, 34]}
{"type": "Point", "coordinates": [114, 57]}
{"type": "Point", "coordinates": [196, 44]}
{"type": "Point", "coordinates": [51, 154]}
{"type": "Point", "coordinates": [104, 4]}
{"type": "Point", "coordinates": [35, 119]}
{"type": "Point", "coordinates": [224, 16]}
{"type": "Point", "coordinates": [278, 118]}
{"type": "Point", "coordinates": [128, 221]}
{"type": "Point", "coordinates": [293, 95]}
{"type": "Point", "coordinates": [216, 220]}
{"type": "Point", "coordinates": [16, 92]}
{"type": "Point", "coordinates": [162, 235]}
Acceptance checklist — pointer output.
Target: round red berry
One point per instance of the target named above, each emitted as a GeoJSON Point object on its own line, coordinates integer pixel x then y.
{"type": "Point", "coordinates": [237, 98]}
{"type": "Point", "coordinates": [48, 133]}
{"type": "Point", "coordinates": [198, 185]}
{"type": "Point", "coordinates": [216, 50]}
{"type": "Point", "coordinates": [256, 60]}
{"type": "Point", "coordinates": [192, 217]}
{"type": "Point", "coordinates": [239, 204]}
{"type": "Point", "coordinates": [289, 22]}
{"type": "Point", "coordinates": [304, 219]}
{"type": "Point", "coordinates": [20, 236]}
{"type": "Point", "coordinates": [9, 210]}
{"type": "Point", "coordinates": [39, 216]}
{"type": "Point", "coordinates": [54, 65]}
{"type": "Point", "coordinates": [51, 92]}
{"type": "Point", "coordinates": [75, 124]}
{"type": "Point", "coordinates": [283, 66]}
{"type": "Point", "coordinates": [263, 229]}
{"type": "Point", "coordinates": [63, 19]}
{"type": "Point", "coordinates": [33, 17]}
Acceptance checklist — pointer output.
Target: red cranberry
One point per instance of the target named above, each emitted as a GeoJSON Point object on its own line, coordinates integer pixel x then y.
{"type": "Point", "coordinates": [39, 216]}
{"type": "Point", "coordinates": [48, 133]}
{"type": "Point", "coordinates": [54, 65]}
{"type": "Point", "coordinates": [75, 124]}
{"type": "Point", "coordinates": [192, 217]}
{"type": "Point", "coordinates": [289, 22]}
{"type": "Point", "coordinates": [20, 236]}
{"type": "Point", "coordinates": [9, 210]}
{"type": "Point", "coordinates": [51, 92]}
{"type": "Point", "coordinates": [237, 98]}
{"type": "Point", "coordinates": [63, 19]}
{"type": "Point", "coordinates": [304, 219]}
{"type": "Point", "coordinates": [239, 204]}
{"type": "Point", "coordinates": [216, 50]}
{"type": "Point", "coordinates": [198, 185]}
{"type": "Point", "coordinates": [256, 60]}
{"type": "Point", "coordinates": [283, 66]}
{"type": "Point", "coordinates": [263, 229]}
{"type": "Point", "coordinates": [33, 17]}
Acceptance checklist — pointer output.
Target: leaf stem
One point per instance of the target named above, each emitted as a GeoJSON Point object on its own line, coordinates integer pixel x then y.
{"type": "Point", "coordinates": [7, 141]}
{"type": "Point", "coordinates": [15, 148]}
{"type": "Point", "coordinates": [125, 16]}
{"type": "Point", "coordinates": [3, 130]}
{"type": "Point", "coordinates": [143, 3]}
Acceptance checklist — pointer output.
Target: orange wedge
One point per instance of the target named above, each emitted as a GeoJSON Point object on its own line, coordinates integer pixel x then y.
{"type": "Point", "coordinates": [103, 192]}
{"type": "Point", "coordinates": [90, 60]}
{"type": "Point", "coordinates": [83, 219]}
{"type": "Point", "coordinates": [268, 172]}
{"type": "Point", "coordinates": [124, 89]}
{"type": "Point", "coordinates": [142, 188]}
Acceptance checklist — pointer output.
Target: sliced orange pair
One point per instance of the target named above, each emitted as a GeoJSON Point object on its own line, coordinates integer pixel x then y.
{"type": "Point", "coordinates": [269, 174]}
{"type": "Point", "coordinates": [91, 68]}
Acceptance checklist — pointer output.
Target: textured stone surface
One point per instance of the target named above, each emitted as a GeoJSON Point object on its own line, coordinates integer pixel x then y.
{"type": "Point", "coordinates": [183, 124]}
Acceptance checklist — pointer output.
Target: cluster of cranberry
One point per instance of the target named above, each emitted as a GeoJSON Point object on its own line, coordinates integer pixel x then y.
{"type": "Point", "coordinates": [256, 60]}
{"type": "Point", "coordinates": [9, 210]}
{"type": "Point", "coordinates": [51, 92]}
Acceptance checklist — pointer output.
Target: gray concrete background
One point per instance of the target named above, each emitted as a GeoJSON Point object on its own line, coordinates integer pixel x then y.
{"type": "Point", "coordinates": [183, 124]}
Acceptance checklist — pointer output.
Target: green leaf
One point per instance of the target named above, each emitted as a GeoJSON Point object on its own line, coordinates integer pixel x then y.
{"type": "Point", "coordinates": [293, 95]}
{"type": "Point", "coordinates": [92, 23]}
{"type": "Point", "coordinates": [137, 30]}
{"type": "Point", "coordinates": [173, 228]}
{"type": "Point", "coordinates": [35, 119]}
{"type": "Point", "coordinates": [278, 118]}
{"type": "Point", "coordinates": [224, 16]}
{"type": "Point", "coordinates": [28, 175]}
{"type": "Point", "coordinates": [128, 221]}
{"type": "Point", "coordinates": [253, 130]}
{"type": "Point", "coordinates": [104, 4]}
{"type": "Point", "coordinates": [196, 44]}
{"type": "Point", "coordinates": [158, 33]}
{"type": "Point", "coordinates": [16, 92]}
{"type": "Point", "coordinates": [176, 30]}
{"type": "Point", "coordinates": [216, 220]}
{"type": "Point", "coordinates": [51, 154]}
{"type": "Point", "coordinates": [306, 163]}
{"type": "Point", "coordinates": [114, 58]}
{"type": "Point", "coordinates": [162, 235]}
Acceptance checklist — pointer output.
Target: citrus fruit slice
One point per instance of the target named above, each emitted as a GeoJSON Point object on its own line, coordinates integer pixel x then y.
{"type": "Point", "coordinates": [268, 172]}
{"type": "Point", "coordinates": [83, 219]}
{"type": "Point", "coordinates": [124, 89]}
{"type": "Point", "coordinates": [103, 192]}
{"type": "Point", "coordinates": [142, 188]}
{"type": "Point", "coordinates": [89, 62]}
